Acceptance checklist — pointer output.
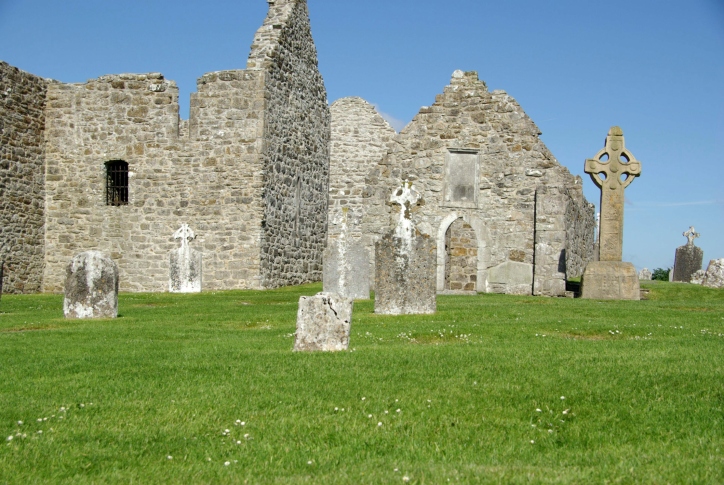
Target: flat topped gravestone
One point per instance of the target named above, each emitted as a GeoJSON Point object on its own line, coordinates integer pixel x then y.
{"type": "Point", "coordinates": [91, 287]}
{"type": "Point", "coordinates": [346, 262]}
{"type": "Point", "coordinates": [612, 170]}
{"type": "Point", "coordinates": [323, 323]}
{"type": "Point", "coordinates": [688, 258]}
{"type": "Point", "coordinates": [405, 263]}
{"type": "Point", "coordinates": [184, 264]}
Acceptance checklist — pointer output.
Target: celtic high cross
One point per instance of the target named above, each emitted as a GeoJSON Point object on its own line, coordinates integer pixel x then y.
{"type": "Point", "coordinates": [185, 234]}
{"type": "Point", "coordinates": [612, 170]}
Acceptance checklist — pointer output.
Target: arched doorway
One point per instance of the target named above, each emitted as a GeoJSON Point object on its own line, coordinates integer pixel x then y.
{"type": "Point", "coordinates": [461, 257]}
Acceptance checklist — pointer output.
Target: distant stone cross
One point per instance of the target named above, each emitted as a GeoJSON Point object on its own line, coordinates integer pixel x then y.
{"type": "Point", "coordinates": [406, 196]}
{"type": "Point", "coordinates": [612, 170]}
{"type": "Point", "coordinates": [185, 234]}
{"type": "Point", "coordinates": [691, 235]}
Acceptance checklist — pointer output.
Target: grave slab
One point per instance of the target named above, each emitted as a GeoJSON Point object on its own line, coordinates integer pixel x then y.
{"type": "Point", "coordinates": [91, 287]}
{"type": "Point", "coordinates": [323, 323]}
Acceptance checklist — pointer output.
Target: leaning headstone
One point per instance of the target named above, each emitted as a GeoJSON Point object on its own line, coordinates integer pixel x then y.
{"type": "Point", "coordinates": [91, 286]}
{"type": "Point", "coordinates": [688, 258]}
{"type": "Point", "coordinates": [184, 274]}
{"type": "Point", "coordinates": [714, 277]}
{"type": "Point", "coordinates": [405, 263]}
{"type": "Point", "coordinates": [323, 323]}
{"type": "Point", "coordinates": [645, 274]}
{"type": "Point", "coordinates": [346, 264]}
{"type": "Point", "coordinates": [612, 170]}
{"type": "Point", "coordinates": [698, 277]}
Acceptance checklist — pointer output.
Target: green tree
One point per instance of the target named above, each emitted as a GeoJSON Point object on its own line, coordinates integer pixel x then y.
{"type": "Point", "coordinates": [661, 274]}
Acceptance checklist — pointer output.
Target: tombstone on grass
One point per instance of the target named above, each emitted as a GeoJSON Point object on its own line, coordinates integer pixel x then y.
{"type": "Point", "coordinates": [91, 286]}
{"type": "Point", "coordinates": [688, 258]}
{"type": "Point", "coordinates": [184, 274]}
{"type": "Point", "coordinates": [346, 262]}
{"type": "Point", "coordinates": [323, 323]}
{"type": "Point", "coordinates": [645, 274]}
{"type": "Point", "coordinates": [714, 277]}
{"type": "Point", "coordinates": [405, 263]}
{"type": "Point", "coordinates": [612, 170]}
{"type": "Point", "coordinates": [698, 277]}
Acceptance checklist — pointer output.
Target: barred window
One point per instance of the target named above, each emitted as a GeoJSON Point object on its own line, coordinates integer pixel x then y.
{"type": "Point", "coordinates": [116, 183]}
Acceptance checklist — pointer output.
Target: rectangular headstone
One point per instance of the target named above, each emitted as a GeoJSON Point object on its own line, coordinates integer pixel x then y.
{"type": "Point", "coordinates": [688, 261]}
{"type": "Point", "coordinates": [346, 268]}
{"type": "Point", "coordinates": [323, 323]}
{"type": "Point", "coordinates": [91, 287]}
{"type": "Point", "coordinates": [405, 274]}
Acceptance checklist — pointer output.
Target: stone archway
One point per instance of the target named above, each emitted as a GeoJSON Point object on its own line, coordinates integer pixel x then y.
{"type": "Point", "coordinates": [461, 257]}
{"type": "Point", "coordinates": [464, 226]}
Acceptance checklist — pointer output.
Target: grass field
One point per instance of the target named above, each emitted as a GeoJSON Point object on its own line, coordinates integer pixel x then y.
{"type": "Point", "coordinates": [493, 388]}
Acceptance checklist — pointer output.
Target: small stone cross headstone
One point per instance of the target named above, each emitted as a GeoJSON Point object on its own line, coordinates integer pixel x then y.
{"type": "Point", "coordinates": [323, 323]}
{"type": "Point", "coordinates": [405, 263]}
{"type": "Point", "coordinates": [184, 264]}
{"type": "Point", "coordinates": [91, 287]}
{"type": "Point", "coordinates": [688, 258]}
{"type": "Point", "coordinates": [612, 169]}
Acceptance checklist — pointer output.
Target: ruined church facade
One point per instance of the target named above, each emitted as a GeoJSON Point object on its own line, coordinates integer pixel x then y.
{"type": "Point", "coordinates": [265, 170]}
{"type": "Point", "coordinates": [108, 165]}
{"type": "Point", "coordinates": [506, 216]}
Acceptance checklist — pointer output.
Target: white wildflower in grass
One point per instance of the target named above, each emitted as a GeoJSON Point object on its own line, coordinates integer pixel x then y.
{"type": "Point", "coordinates": [563, 398]}
{"type": "Point", "coordinates": [20, 423]}
{"type": "Point", "coordinates": [532, 442]}
{"type": "Point", "coordinates": [396, 470]}
{"type": "Point", "coordinates": [405, 479]}
{"type": "Point", "coordinates": [227, 463]}
{"type": "Point", "coordinates": [243, 423]}
{"type": "Point", "coordinates": [538, 410]}
{"type": "Point", "coordinates": [169, 457]}
{"type": "Point", "coordinates": [336, 409]}
{"type": "Point", "coordinates": [40, 431]}
{"type": "Point", "coordinates": [82, 405]}
{"type": "Point", "coordinates": [40, 420]}
{"type": "Point", "coordinates": [363, 398]}
{"type": "Point", "coordinates": [238, 422]}
{"type": "Point", "coordinates": [309, 462]}
{"type": "Point", "coordinates": [565, 411]}
{"type": "Point", "coordinates": [398, 410]}
{"type": "Point", "coordinates": [238, 442]}
{"type": "Point", "coordinates": [369, 416]}
{"type": "Point", "coordinates": [246, 436]}
{"type": "Point", "coordinates": [386, 411]}
{"type": "Point", "coordinates": [550, 430]}
{"type": "Point", "coordinates": [10, 438]}
{"type": "Point", "coordinates": [379, 424]}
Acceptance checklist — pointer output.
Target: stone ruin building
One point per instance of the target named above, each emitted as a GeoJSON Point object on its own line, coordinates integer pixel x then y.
{"type": "Point", "coordinates": [507, 217]}
{"type": "Point", "coordinates": [260, 167]}
{"type": "Point", "coordinates": [107, 165]}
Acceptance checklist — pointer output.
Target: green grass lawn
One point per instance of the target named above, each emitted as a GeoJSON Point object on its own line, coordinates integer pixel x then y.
{"type": "Point", "coordinates": [493, 388]}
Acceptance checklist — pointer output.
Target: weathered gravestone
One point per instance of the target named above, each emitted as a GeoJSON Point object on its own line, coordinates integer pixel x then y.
{"type": "Point", "coordinates": [91, 286]}
{"type": "Point", "coordinates": [645, 274]}
{"type": "Point", "coordinates": [714, 277]}
{"type": "Point", "coordinates": [688, 258]}
{"type": "Point", "coordinates": [184, 264]}
{"type": "Point", "coordinates": [612, 170]}
{"type": "Point", "coordinates": [698, 277]}
{"type": "Point", "coordinates": [346, 263]}
{"type": "Point", "coordinates": [323, 323]}
{"type": "Point", "coordinates": [405, 263]}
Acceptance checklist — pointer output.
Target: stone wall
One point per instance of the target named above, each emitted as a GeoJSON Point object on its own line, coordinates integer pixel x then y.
{"type": "Point", "coordinates": [22, 122]}
{"type": "Point", "coordinates": [461, 257]}
{"type": "Point", "coordinates": [474, 155]}
{"type": "Point", "coordinates": [296, 154]}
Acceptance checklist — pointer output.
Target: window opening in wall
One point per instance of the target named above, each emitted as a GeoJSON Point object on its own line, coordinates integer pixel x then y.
{"type": "Point", "coordinates": [116, 183]}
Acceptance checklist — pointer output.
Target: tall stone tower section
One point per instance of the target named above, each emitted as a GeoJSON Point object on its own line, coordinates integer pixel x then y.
{"type": "Point", "coordinates": [295, 155]}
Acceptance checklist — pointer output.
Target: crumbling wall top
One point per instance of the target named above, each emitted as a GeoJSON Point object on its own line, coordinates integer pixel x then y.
{"type": "Point", "coordinates": [267, 37]}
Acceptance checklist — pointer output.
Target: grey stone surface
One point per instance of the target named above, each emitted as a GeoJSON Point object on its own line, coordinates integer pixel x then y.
{"type": "Point", "coordinates": [645, 274]}
{"type": "Point", "coordinates": [405, 263]}
{"type": "Point", "coordinates": [22, 156]}
{"type": "Point", "coordinates": [346, 266]}
{"type": "Point", "coordinates": [323, 323]}
{"type": "Point", "coordinates": [248, 170]}
{"type": "Point", "coordinates": [185, 264]}
{"type": "Point", "coordinates": [610, 280]}
{"type": "Point", "coordinates": [688, 259]}
{"type": "Point", "coordinates": [517, 277]}
{"type": "Point", "coordinates": [91, 287]}
{"type": "Point", "coordinates": [714, 277]}
{"type": "Point", "coordinates": [698, 277]}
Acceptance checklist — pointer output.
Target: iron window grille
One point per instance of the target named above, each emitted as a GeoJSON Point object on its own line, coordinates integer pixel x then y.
{"type": "Point", "coordinates": [116, 183]}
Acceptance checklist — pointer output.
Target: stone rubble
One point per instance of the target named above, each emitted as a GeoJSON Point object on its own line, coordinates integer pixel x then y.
{"type": "Point", "coordinates": [714, 277]}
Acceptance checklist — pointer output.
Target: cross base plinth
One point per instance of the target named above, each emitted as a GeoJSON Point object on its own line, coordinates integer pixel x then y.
{"type": "Point", "coordinates": [610, 280]}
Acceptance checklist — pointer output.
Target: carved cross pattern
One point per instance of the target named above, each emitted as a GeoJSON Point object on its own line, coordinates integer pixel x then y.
{"type": "Point", "coordinates": [405, 196]}
{"type": "Point", "coordinates": [690, 235]}
{"type": "Point", "coordinates": [613, 161]}
{"type": "Point", "coordinates": [612, 170]}
{"type": "Point", "coordinates": [185, 234]}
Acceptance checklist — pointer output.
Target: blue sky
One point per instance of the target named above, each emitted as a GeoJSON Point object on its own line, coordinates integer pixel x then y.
{"type": "Point", "coordinates": [653, 67]}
